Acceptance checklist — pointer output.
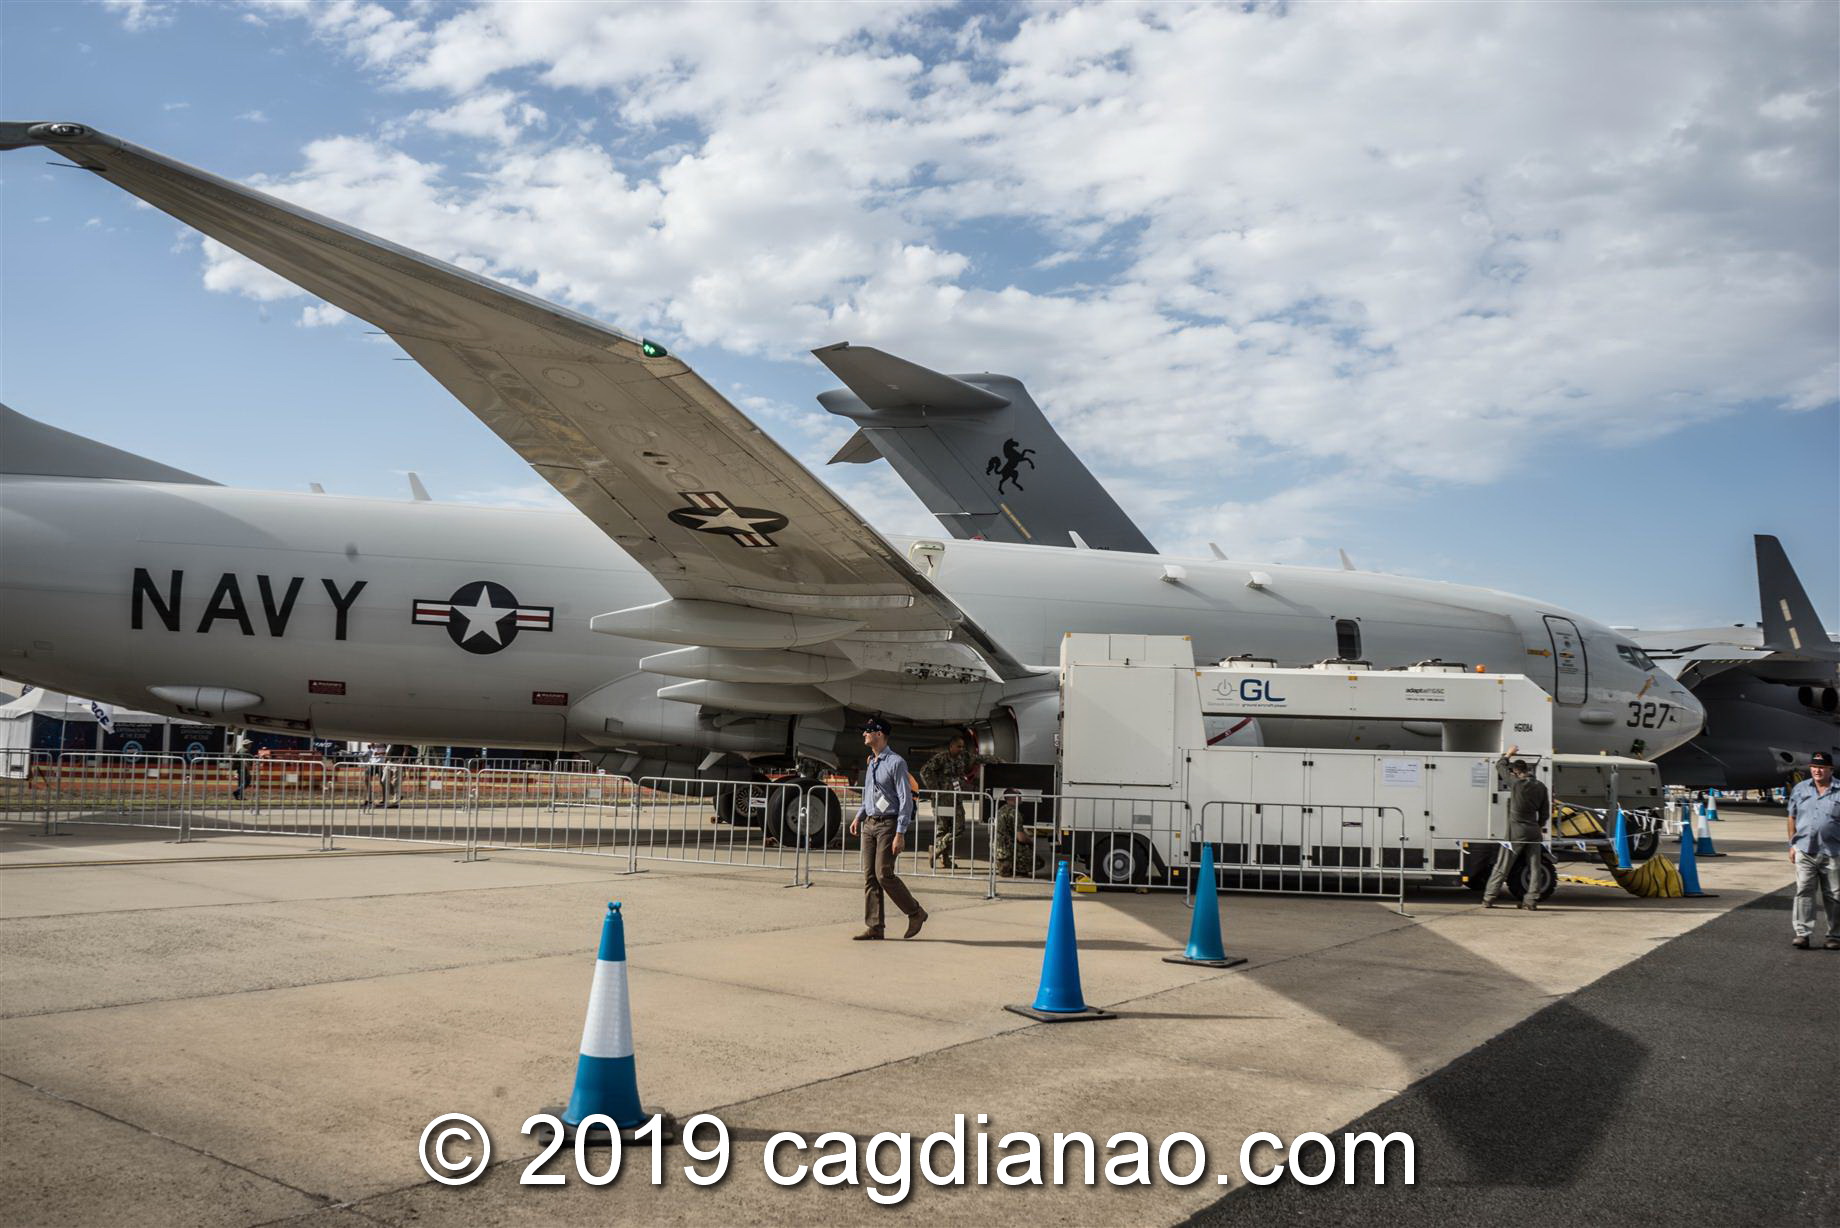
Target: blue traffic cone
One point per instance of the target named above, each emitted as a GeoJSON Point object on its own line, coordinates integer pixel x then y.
{"type": "Point", "coordinates": [1621, 840]}
{"type": "Point", "coordinates": [605, 1081]}
{"type": "Point", "coordinates": [1712, 806]}
{"type": "Point", "coordinates": [1702, 839]}
{"type": "Point", "coordinates": [1689, 870]}
{"type": "Point", "coordinates": [1204, 945]}
{"type": "Point", "coordinates": [1058, 999]}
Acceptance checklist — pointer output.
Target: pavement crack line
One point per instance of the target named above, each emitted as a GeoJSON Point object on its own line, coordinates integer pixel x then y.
{"type": "Point", "coordinates": [324, 1200]}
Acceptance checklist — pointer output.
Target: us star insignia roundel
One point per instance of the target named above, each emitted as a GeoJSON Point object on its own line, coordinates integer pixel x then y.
{"type": "Point", "coordinates": [484, 617]}
{"type": "Point", "coordinates": [710, 512]}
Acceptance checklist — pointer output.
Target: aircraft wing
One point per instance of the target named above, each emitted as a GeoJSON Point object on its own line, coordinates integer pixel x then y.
{"type": "Point", "coordinates": [754, 550]}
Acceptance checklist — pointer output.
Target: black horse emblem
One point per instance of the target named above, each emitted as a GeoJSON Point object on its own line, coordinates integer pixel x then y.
{"type": "Point", "coordinates": [1004, 468]}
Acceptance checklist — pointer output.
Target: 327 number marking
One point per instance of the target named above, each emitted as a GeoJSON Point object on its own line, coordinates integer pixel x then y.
{"type": "Point", "coordinates": [1647, 714]}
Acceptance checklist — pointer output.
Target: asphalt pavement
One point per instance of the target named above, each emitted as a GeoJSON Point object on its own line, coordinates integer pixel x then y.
{"type": "Point", "coordinates": [1693, 1086]}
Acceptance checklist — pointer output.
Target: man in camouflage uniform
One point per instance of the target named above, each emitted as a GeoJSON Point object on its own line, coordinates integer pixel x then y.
{"type": "Point", "coordinates": [952, 769]}
{"type": "Point", "coordinates": [1007, 841]}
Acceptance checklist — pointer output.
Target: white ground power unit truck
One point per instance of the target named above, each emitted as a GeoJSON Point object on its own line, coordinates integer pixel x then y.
{"type": "Point", "coordinates": [1141, 787]}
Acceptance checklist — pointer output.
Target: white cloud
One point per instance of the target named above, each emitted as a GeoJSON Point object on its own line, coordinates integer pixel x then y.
{"type": "Point", "coordinates": [1382, 245]}
{"type": "Point", "coordinates": [138, 15]}
{"type": "Point", "coordinates": [320, 315]}
{"type": "Point", "coordinates": [175, 106]}
{"type": "Point", "coordinates": [254, 117]}
{"type": "Point", "coordinates": [491, 115]}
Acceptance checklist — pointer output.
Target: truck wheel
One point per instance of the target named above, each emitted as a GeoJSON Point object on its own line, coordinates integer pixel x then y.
{"type": "Point", "coordinates": [816, 805]}
{"type": "Point", "coordinates": [1644, 843]}
{"type": "Point", "coordinates": [1478, 864]}
{"type": "Point", "coordinates": [1121, 861]}
{"type": "Point", "coordinates": [1517, 878]}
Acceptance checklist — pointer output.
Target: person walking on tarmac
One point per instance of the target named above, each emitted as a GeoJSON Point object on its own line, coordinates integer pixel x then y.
{"type": "Point", "coordinates": [882, 820]}
{"type": "Point", "coordinates": [1814, 847]}
{"type": "Point", "coordinates": [1527, 812]}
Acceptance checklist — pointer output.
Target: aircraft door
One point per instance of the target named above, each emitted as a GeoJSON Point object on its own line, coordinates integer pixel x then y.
{"type": "Point", "coordinates": [1571, 672]}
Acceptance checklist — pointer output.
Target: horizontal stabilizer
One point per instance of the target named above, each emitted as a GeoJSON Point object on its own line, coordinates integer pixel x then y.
{"type": "Point", "coordinates": [1790, 624]}
{"type": "Point", "coordinates": [883, 381]}
{"type": "Point", "coordinates": [860, 450]}
{"type": "Point", "coordinates": [28, 446]}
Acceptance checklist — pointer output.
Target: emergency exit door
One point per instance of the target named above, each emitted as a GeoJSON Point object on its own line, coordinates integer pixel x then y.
{"type": "Point", "coordinates": [1571, 672]}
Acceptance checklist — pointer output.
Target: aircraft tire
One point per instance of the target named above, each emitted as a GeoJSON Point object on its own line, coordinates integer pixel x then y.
{"type": "Point", "coordinates": [823, 813]}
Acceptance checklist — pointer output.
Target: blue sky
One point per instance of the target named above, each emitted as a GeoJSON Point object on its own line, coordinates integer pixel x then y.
{"type": "Point", "coordinates": [1562, 322]}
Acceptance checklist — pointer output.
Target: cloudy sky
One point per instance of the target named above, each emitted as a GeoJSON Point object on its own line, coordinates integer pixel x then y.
{"type": "Point", "coordinates": [1542, 297]}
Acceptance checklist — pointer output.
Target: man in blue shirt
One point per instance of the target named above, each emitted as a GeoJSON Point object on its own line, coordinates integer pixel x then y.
{"type": "Point", "coordinates": [1814, 847]}
{"type": "Point", "coordinates": [882, 820]}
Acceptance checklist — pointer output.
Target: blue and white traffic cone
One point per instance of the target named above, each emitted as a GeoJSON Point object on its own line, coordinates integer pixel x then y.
{"type": "Point", "coordinates": [1058, 999]}
{"type": "Point", "coordinates": [606, 1084]}
{"type": "Point", "coordinates": [1204, 945]}
{"type": "Point", "coordinates": [1712, 806]}
{"type": "Point", "coordinates": [1702, 838]}
{"type": "Point", "coordinates": [1621, 840]}
{"type": "Point", "coordinates": [1689, 870]}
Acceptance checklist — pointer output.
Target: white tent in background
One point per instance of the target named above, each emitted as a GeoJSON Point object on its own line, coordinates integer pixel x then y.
{"type": "Point", "coordinates": [16, 717]}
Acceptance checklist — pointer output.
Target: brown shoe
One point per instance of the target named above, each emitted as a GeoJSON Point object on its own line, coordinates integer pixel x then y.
{"type": "Point", "coordinates": [1832, 944]}
{"type": "Point", "coordinates": [1800, 944]}
{"type": "Point", "coordinates": [1487, 903]}
{"type": "Point", "coordinates": [868, 936]}
{"type": "Point", "coordinates": [914, 923]}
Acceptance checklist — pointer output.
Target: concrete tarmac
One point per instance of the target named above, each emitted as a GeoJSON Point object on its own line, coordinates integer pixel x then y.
{"type": "Point", "coordinates": [240, 1031]}
{"type": "Point", "coordinates": [1683, 1088]}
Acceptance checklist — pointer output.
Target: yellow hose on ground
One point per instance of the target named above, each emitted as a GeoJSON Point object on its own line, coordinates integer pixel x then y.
{"type": "Point", "coordinates": [1655, 879]}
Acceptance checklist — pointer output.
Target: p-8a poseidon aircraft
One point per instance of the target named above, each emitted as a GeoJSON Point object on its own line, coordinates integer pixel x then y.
{"type": "Point", "coordinates": [709, 600]}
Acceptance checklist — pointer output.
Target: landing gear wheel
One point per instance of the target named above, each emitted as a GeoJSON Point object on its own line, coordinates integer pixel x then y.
{"type": "Point", "coordinates": [741, 803]}
{"type": "Point", "coordinates": [1119, 861]}
{"type": "Point", "coordinates": [813, 812]}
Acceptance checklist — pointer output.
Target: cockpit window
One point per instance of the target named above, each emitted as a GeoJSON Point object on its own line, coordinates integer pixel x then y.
{"type": "Point", "coordinates": [1635, 656]}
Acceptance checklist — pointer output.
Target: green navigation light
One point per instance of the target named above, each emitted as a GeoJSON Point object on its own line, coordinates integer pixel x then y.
{"type": "Point", "coordinates": [651, 349]}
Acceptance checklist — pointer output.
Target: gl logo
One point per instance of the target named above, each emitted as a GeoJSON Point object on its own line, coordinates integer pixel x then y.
{"type": "Point", "coordinates": [1258, 690]}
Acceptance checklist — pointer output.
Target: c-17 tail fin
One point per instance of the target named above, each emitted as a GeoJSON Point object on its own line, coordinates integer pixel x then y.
{"type": "Point", "coordinates": [976, 449]}
{"type": "Point", "coordinates": [1790, 624]}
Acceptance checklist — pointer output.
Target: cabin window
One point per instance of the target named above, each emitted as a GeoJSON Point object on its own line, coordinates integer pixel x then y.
{"type": "Point", "coordinates": [1347, 639]}
{"type": "Point", "coordinates": [1635, 656]}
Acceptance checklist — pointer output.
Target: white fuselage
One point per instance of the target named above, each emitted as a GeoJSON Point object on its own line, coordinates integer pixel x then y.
{"type": "Point", "coordinates": [216, 565]}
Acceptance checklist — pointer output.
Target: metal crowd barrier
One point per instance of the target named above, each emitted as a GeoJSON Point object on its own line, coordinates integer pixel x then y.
{"type": "Point", "coordinates": [566, 811]}
{"type": "Point", "coordinates": [737, 823]}
{"type": "Point", "coordinates": [1114, 841]}
{"type": "Point", "coordinates": [1005, 841]}
{"type": "Point", "coordinates": [402, 801]}
{"type": "Point", "coordinates": [1296, 849]}
{"type": "Point", "coordinates": [25, 786]}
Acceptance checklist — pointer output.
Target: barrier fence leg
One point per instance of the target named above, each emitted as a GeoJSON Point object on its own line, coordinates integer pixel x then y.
{"type": "Point", "coordinates": [632, 835]}
{"type": "Point", "coordinates": [185, 807]}
{"type": "Point", "coordinates": [801, 851]}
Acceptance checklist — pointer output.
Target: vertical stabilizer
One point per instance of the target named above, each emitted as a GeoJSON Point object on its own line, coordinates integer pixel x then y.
{"type": "Point", "coordinates": [1790, 624]}
{"type": "Point", "coordinates": [976, 449]}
